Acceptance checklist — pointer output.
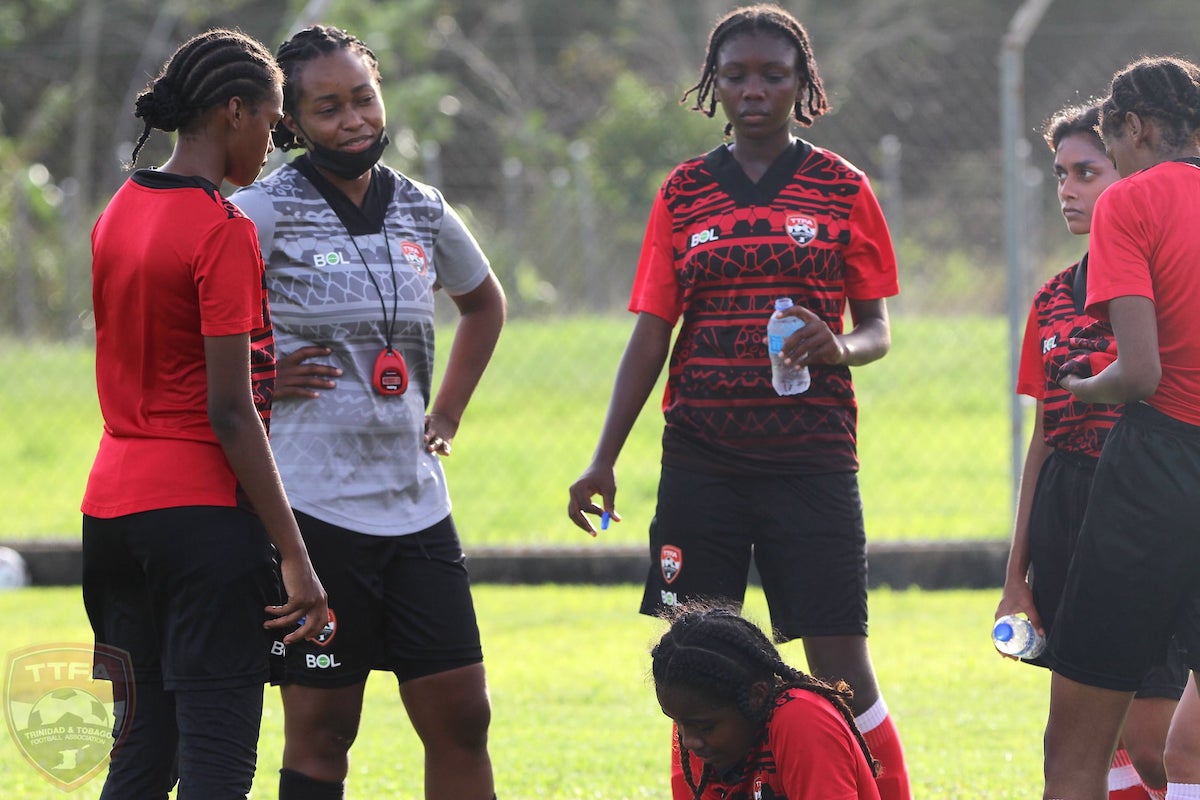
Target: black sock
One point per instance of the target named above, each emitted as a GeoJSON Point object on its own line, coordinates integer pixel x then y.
{"type": "Point", "coordinates": [298, 786]}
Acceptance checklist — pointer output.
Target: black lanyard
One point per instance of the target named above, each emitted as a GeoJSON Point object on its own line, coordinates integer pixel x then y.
{"type": "Point", "coordinates": [389, 324]}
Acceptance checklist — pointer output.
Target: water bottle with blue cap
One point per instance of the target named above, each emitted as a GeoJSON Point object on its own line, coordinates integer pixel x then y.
{"type": "Point", "coordinates": [1014, 635]}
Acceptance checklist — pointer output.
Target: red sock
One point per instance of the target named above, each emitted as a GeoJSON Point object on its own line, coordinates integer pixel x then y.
{"type": "Point", "coordinates": [1128, 793]}
{"type": "Point", "coordinates": [1123, 781]}
{"type": "Point", "coordinates": [884, 742]}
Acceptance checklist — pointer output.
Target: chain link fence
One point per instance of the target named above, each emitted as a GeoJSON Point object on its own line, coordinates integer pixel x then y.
{"type": "Point", "coordinates": [563, 229]}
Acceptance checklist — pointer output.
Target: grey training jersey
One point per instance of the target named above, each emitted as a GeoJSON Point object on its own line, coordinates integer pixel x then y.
{"type": "Point", "coordinates": [352, 457]}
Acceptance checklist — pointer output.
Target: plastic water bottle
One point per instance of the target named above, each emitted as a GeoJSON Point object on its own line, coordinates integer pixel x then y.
{"type": "Point", "coordinates": [785, 378]}
{"type": "Point", "coordinates": [1014, 635]}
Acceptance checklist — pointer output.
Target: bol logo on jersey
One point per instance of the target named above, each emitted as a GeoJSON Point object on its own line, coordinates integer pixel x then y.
{"type": "Point", "coordinates": [414, 256]}
{"type": "Point", "coordinates": [65, 704]}
{"type": "Point", "coordinates": [670, 559]}
{"type": "Point", "coordinates": [801, 228]}
{"type": "Point", "coordinates": [329, 259]}
{"type": "Point", "coordinates": [704, 237]}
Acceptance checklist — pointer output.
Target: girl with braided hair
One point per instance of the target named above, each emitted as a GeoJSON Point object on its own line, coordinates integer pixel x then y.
{"type": "Point", "coordinates": [1134, 577]}
{"type": "Point", "coordinates": [355, 252]}
{"type": "Point", "coordinates": [747, 725]}
{"type": "Point", "coordinates": [1065, 444]}
{"type": "Point", "coordinates": [184, 502]}
{"type": "Point", "coordinates": [747, 473]}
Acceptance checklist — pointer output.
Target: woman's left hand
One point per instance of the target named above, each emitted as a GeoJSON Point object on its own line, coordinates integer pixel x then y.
{"type": "Point", "coordinates": [439, 431]}
{"type": "Point", "coordinates": [815, 343]}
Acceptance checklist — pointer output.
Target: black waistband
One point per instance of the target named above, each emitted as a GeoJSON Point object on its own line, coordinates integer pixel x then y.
{"type": "Point", "coordinates": [1144, 414]}
{"type": "Point", "coordinates": [1080, 460]}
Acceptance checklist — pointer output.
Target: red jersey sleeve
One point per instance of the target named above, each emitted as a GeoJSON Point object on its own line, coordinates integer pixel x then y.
{"type": "Point", "coordinates": [228, 271]}
{"type": "Point", "coordinates": [656, 290]}
{"type": "Point", "coordinates": [1031, 375]}
{"type": "Point", "coordinates": [871, 271]}
{"type": "Point", "coordinates": [1119, 262]}
{"type": "Point", "coordinates": [816, 753]}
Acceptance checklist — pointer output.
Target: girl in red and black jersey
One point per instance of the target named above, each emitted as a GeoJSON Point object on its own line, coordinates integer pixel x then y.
{"type": "Point", "coordinates": [1065, 446]}
{"type": "Point", "coordinates": [747, 472]}
{"type": "Point", "coordinates": [749, 725]}
{"type": "Point", "coordinates": [184, 503]}
{"type": "Point", "coordinates": [1134, 577]}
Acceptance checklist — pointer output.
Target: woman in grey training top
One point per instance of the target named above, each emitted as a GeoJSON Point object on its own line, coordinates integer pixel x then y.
{"type": "Point", "coordinates": [354, 253]}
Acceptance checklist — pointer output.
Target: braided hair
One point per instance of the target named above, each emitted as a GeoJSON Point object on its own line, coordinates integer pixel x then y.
{"type": "Point", "coordinates": [762, 19]}
{"type": "Point", "coordinates": [1162, 88]}
{"type": "Point", "coordinates": [305, 46]}
{"type": "Point", "coordinates": [714, 651]}
{"type": "Point", "coordinates": [1072, 120]}
{"type": "Point", "coordinates": [206, 71]}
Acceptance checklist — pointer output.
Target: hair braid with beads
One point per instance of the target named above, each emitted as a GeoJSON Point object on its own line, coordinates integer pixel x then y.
{"type": "Point", "coordinates": [206, 71]}
{"type": "Point", "coordinates": [304, 46]}
{"type": "Point", "coordinates": [1162, 88]}
{"type": "Point", "coordinates": [719, 654]}
{"type": "Point", "coordinates": [762, 19]}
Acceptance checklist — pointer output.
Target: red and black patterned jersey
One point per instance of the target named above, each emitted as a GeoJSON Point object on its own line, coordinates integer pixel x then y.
{"type": "Point", "coordinates": [719, 249]}
{"type": "Point", "coordinates": [1057, 314]}
{"type": "Point", "coordinates": [262, 363]}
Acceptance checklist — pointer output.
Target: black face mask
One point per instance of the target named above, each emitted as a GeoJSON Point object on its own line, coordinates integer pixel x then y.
{"type": "Point", "coordinates": [347, 166]}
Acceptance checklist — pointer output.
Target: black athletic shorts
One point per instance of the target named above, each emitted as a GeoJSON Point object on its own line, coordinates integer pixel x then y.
{"type": "Point", "coordinates": [805, 533]}
{"type": "Point", "coordinates": [396, 603]}
{"type": "Point", "coordinates": [1134, 580]}
{"type": "Point", "coordinates": [183, 591]}
{"type": "Point", "coordinates": [1056, 515]}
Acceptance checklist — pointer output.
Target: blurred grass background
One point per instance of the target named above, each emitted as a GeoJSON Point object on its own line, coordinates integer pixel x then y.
{"type": "Point", "coordinates": [574, 710]}
{"type": "Point", "coordinates": [934, 434]}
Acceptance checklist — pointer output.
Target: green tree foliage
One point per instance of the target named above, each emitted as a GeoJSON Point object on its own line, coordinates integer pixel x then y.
{"type": "Point", "coordinates": [552, 123]}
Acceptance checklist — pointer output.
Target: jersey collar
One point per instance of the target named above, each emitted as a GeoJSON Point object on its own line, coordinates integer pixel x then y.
{"type": "Point", "coordinates": [358, 221]}
{"type": "Point", "coordinates": [156, 179]}
{"type": "Point", "coordinates": [737, 184]}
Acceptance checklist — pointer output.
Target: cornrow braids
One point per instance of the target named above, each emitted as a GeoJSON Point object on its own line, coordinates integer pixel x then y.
{"type": "Point", "coordinates": [1163, 88]}
{"type": "Point", "coordinates": [305, 46]}
{"type": "Point", "coordinates": [762, 19]}
{"type": "Point", "coordinates": [204, 72]}
{"type": "Point", "coordinates": [716, 652]}
{"type": "Point", "coordinates": [1070, 120]}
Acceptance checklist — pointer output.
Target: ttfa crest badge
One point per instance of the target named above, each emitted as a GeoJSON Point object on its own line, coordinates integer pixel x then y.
{"type": "Point", "coordinates": [67, 707]}
{"type": "Point", "coordinates": [670, 558]}
{"type": "Point", "coordinates": [414, 256]}
{"type": "Point", "coordinates": [801, 228]}
{"type": "Point", "coordinates": [327, 633]}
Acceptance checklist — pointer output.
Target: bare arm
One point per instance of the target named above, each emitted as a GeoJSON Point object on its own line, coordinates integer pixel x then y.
{"type": "Point", "coordinates": [1136, 372]}
{"type": "Point", "coordinates": [240, 432]}
{"type": "Point", "coordinates": [1017, 596]}
{"type": "Point", "coordinates": [637, 373]}
{"type": "Point", "coordinates": [482, 310]}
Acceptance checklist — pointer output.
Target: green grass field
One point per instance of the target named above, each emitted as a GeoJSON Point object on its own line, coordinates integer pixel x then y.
{"type": "Point", "coordinates": [933, 435]}
{"type": "Point", "coordinates": [574, 712]}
